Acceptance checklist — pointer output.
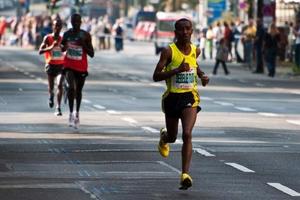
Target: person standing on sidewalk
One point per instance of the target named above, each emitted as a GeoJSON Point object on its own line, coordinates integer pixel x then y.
{"type": "Point", "coordinates": [297, 44]}
{"type": "Point", "coordinates": [221, 57]}
{"type": "Point", "coordinates": [258, 43]}
{"type": "Point", "coordinates": [78, 44]}
{"type": "Point", "coordinates": [178, 67]}
{"type": "Point", "coordinates": [248, 39]}
{"type": "Point", "coordinates": [272, 40]}
{"type": "Point", "coordinates": [54, 58]}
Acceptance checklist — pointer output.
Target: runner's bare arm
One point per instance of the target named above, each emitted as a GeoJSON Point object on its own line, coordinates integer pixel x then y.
{"type": "Point", "coordinates": [45, 46]}
{"type": "Point", "coordinates": [87, 45]}
{"type": "Point", "coordinates": [165, 58]}
{"type": "Point", "coordinates": [63, 43]}
{"type": "Point", "coordinates": [200, 73]}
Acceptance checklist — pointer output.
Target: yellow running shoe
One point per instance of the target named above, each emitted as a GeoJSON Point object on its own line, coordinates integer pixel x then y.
{"type": "Point", "coordinates": [163, 148]}
{"type": "Point", "coordinates": [185, 181]}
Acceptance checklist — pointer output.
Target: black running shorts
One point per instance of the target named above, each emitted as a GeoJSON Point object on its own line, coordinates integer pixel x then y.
{"type": "Point", "coordinates": [53, 70]}
{"type": "Point", "coordinates": [174, 103]}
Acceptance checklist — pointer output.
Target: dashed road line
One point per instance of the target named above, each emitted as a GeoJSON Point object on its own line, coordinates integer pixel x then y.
{"type": "Point", "coordinates": [99, 107]}
{"type": "Point", "coordinates": [246, 109]}
{"type": "Point", "coordinates": [269, 114]}
{"type": "Point", "coordinates": [223, 103]}
{"type": "Point", "coordinates": [284, 189]}
{"type": "Point", "coordinates": [130, 120]}
{"type": "Point", "coordinates": [203, 152]}
{"type": "Point", "coordinates": [149, 129]}
{"type": "Point", "coordinates": [169, 166]}
{"type": "Point", "coordinates": [296, 122]}
{"type": "Point", "coordinates": [240, 167]}
{"type": "Point", "coordinates": [113, 112]}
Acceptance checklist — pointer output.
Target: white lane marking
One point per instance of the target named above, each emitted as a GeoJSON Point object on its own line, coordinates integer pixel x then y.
{"type": "Point", "coordinates": [86, 101]}
{"type": "Point", "coordinates": [204, 152]}
{"type": "Point", "coordinates": [169, 166]}
{"type": "Point", "coordinates": [40, 186]}
{"type": "Point", "coordinates": [157, 85]}
{"type": "Point", "coordinates": [284, 189]}
{"type": "Point", "coordinates": [242, 81]}
{"type": "Point", "coordinates": [223, 103]}
{"type": "Point", "coordinates": [240, 167]}
{"type": "Point", "coordinates": [99, 107]}
{"type": "Point", "coordinates": [244, 109]}
{"type": "Point", "coordinates": [32, 76]}
{"type": "Point", "coordinates": [269, 114]}
{"type": "Point", "coordinates": [130, 120]}
{"type": "Point", "coordinates": [179, 141]}
{"type": "Point", "coordinates": [113, 112]}
{"type": "Point", "coordinates": [149, 129]}
{"type": "Point", "coordinates": [20, 89]}
{"type": "Point", "coordinates": [145, 81]}
{"type": "Point", "coordinates": [205, 98]}
{"type": "Point", "coordinates": [297, 122]}
{"type": "Point", "coordinates": [294, 92]}
{"type": "Point", "coordinates": [259, 84]}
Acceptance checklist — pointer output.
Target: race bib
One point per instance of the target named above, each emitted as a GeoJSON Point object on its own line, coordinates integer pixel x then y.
{"type": "Point", "coordinates": [74, 52]}
{"type": "Point", "coordinates": [184, 80]}
{"type": "Point", "coordinates": [57, 54]}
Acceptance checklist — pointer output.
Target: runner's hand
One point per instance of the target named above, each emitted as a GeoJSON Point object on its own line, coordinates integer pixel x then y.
{"type": "Point", "coordinates": [183, 67]}
{"type": "Point", "coordinates": [204, 80]}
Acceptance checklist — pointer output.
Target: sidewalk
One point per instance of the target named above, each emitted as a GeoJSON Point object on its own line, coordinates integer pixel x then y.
{"type": "Point", "coordinates": [284, 70]}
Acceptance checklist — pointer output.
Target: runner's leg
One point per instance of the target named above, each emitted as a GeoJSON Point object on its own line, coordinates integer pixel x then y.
{"type": "Point", "coordinates": [172, 130]}
{"type": "Point", "coordinates": [188, 119]}
{"type": "Point", "coordinates": [51, 90]}
{"type": "Point", "coordinates": [79, 81]}
{"type": "Point", "coordinates": [71, 91]}
{"type": "Point", "coordinates": [60, 79]}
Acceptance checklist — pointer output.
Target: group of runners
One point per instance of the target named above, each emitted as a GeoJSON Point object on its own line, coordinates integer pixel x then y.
{"type": "Point", "coordinates": [177, 65]}
{"type": "Point", "coordinates": [66, 58]}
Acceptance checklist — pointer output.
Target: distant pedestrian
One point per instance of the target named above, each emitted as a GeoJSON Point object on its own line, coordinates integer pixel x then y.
{"type": "Point", "coordinates": [258, 43]}
{"type": "Point", "coordinates": [202, 44]}
{"type": "Point", "coordinates": [248, 40]}
{"type": "Point", "coordinates": [297, 43]}
{"type": "Point", "coordinates": [221, 57]}
{"type": "Point", "coordinates": [119, 32]}
{"type": "Point", "coordinates": [271, 44]}
{"type": "Point", "coordinates": [209, 41]}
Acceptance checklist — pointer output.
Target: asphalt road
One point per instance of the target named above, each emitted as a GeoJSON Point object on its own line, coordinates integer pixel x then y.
{"type": "Point", "coordinates": [246, 139]}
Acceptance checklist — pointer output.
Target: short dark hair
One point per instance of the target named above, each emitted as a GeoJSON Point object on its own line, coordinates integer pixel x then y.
{"type": "Point", "coordinates": [182, 20]}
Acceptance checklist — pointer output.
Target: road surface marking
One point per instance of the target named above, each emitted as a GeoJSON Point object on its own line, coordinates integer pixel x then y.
{"type": "Point", "coordinates": [206, 98]}
{"type": "Point", "coordinates": [240, 167]}
{"type": "Point", "coordinates": [285, 189]}
{"type": "Point", "coordinates": [204, 152]}
{"type": "Point", "coordinates": [242, 81]}
{"type": "Point", "coordinates": [40, 186]}
{"type": "Point", "coordinates": [269, 114]}
{"type": "Point", "coordinates": [99, 107]}
{"type": "Point", "coordinates": [130, 120]}
{"type": "Point", "coordinates": [86, 101]}
{"type": "Point", "coordinates": [259, 84]}
{"type": "Point", "coordinates": [169, 166]}
{"type": "Point", "coordinates": [157, 85]}
{"type": "Point", "coordinates": [297, 122]}
{"type": "Point", "coordinates": [113, 112]}
{"type": "Point", "coordinates": [149, 129]}
{"type": "Point", "coordinates": [224, 103]}
{"type": "Point", "coordinates": [246, 109]}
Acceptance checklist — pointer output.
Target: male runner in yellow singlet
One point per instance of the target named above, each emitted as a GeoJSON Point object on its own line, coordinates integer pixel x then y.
{"type": "Point", "coordinates": [178, 66]}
